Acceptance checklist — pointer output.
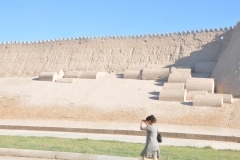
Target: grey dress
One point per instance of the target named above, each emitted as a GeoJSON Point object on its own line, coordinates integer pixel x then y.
{"type": "Point", "coordinates": [151, 149]}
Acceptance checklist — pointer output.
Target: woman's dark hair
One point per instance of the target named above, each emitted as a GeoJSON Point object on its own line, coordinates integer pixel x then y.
{"type": "Point", "coordinates": [151, 118]}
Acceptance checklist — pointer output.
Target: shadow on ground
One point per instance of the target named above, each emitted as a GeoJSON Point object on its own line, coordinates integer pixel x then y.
{"type": "Point", "coordinates": [35, 79]}
{"type": "Point", "coordinates": [159, 83]}
{"type": "Point", "coordinates": [154, 95]}
{"type": "Point", "coordinates": [119, 75]}
{"type": "Point", "coordinates": [187, 103]}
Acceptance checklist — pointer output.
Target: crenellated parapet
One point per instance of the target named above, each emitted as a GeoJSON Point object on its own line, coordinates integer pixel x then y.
{"type": "Point", "coordinates": [158, 35]}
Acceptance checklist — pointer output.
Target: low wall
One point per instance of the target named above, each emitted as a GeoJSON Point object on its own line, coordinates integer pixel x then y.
{"type": "Point", "coordinates": [126, 132]}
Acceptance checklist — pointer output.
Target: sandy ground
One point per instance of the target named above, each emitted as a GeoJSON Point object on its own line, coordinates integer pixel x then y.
{"type": "Point", "coordinates": [108, 99]}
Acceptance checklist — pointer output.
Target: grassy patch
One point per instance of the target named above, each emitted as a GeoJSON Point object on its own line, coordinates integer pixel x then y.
{"type": "Point", "coordinates": [114, 148]}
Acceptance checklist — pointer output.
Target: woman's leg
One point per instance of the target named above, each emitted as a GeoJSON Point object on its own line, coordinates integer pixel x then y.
{"type": "Point", "coordinates": [143, 158]}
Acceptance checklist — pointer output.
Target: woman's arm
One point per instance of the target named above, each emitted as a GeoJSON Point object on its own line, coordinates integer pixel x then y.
{"type": "Point", "coordinates": [141, 124]}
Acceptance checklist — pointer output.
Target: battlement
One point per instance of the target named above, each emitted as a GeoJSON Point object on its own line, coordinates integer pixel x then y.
{"type": "Point", "coordinates": [162, 35]}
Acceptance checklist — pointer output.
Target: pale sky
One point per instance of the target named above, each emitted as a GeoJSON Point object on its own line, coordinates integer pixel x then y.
{"type": "Point", "coordinates": [33, 20]}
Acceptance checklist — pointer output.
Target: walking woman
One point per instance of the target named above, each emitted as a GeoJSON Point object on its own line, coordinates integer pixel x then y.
{"type": "Point", "coordinates": [151, 149]}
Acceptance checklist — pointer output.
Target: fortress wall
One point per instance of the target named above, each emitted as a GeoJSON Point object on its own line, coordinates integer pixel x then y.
{"type": "Point", "coordinates": [111, 54]}
{"type": "Point", "coordinates": [227, 70]}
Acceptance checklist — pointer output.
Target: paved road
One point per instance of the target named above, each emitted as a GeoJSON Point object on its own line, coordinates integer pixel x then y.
{"type": "Point", "coordinates": [124, 138]}
{"type": "Point", "coordinates": [20, 158]}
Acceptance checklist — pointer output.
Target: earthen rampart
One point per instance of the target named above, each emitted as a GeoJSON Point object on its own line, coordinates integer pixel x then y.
{"type": "Point", "coordinates": [112, 53]}
{"type": "Point", "coordinates": [227, 70]}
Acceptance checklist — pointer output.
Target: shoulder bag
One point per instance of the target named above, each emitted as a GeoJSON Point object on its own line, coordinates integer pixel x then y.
{"type": "Point", "coordinates": [159, 137]}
